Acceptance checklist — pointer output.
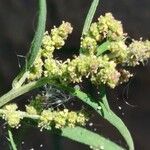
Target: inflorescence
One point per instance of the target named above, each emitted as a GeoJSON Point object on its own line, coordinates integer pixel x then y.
{"type": "Point", "coordinates": [100, 69]}
{"type": "Point", "coordinates": [46, 119]}
{"type": "Point", "coordinates": [106, 68]}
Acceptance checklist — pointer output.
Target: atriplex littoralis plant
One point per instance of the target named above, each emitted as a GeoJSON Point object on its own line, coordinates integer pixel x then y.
{"type": "Point", "coordinates": [104, 54]}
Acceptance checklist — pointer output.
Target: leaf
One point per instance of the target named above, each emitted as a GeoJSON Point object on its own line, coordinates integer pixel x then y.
{"type": "Point", "coordinates": [90, 16]}
{"type": "Point", "coordinates": [110, 116]}
{"type": "Point", "coordinates": [102, 48]}
{"type": "Point", "coordinates": [89, 19]}
{"type": "Point", "coordinates": [37, 40]}
{"type": "Point", "coordinates": [89, 138]}
{"type": "Point", "coordinates": [121, 127]}
{"type": "Point", "coordinates": [11, 140]}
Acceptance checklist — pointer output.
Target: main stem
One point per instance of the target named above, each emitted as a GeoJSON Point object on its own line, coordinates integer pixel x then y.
{"type": "Point", "coordinates": [12, 94]}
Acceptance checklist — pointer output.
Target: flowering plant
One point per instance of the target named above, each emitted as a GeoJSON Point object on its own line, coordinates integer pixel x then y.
{"type": "Point", "coordinates": [103, 59]}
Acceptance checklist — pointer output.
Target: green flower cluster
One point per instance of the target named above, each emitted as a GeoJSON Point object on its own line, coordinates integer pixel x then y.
{"type": "Point", "coordinates": [31, 110]}
{"type": "Point", "coordinates": [88, 45]}
{"type": "Point", "coordinates": [37, 69]}
{"type": "Point", "coordinates": [54, 40]}
{"type": "Point", "coordinates": [125, 75]}
{"type": "Point", "coordinates": [107, 28]}
{"type": "Point", "coordinates": [37, 103]}
{"type": "Point", "coordinates": [46, 119]}
{"type": "Point", "coordinates": [60, 34]}
{"type": "Point", "coordinates": [118, 51]}
{"type": "Point", "coordinates": [107, 73]}
{"type": "Point", "coordinates": [101, 69]}
{"type": "Point", "coordinates": [134, 54]}
{"type": "Point", "coordinates": [98, 69]}
{"type": "Point", "coordinates": [52, 68]}
{"type": "Point", "coordinates": [138, 52]}
{"type": "Point", "coordinates": [61, 119]}
{"type": "Point", "coordinates": [11, 115]}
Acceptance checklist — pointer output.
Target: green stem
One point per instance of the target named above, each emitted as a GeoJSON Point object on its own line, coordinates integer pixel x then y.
{"type": "Point", "coordinates": [37, 41]}
{"type": "Point", "coordinates": [21, 80]}
{"type": "Point", "coordinates": [11, 140]}
{"type": "Point", "coordinates": [121, 127]}
{"type": "Point", "coordinates": [12, 94]}
{"type": "Point", "coordinates": [109, 115]}
{"type": "Point", "coordinates": [22, 90]}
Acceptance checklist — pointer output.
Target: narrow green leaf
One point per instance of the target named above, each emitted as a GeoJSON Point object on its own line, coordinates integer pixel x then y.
{"type": "Point", "coordinates": [37, 40]}
{"type": "Point", "coordinates": [11, 140]}
{"type": "Point", "coordinates": [90, 16]}
{"type": "Point", "coordinates": [102, 48]}
{"type": "Point", "coordinates": [89, 138]}
{"type": "Point", "coordinates": [119, 124]}
{"type": "Point", "coordinates": [109, 115]}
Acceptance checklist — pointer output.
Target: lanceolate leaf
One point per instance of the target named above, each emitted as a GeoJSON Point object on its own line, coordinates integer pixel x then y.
{"type": "Point", "coordinates": [89, 138]}
{"type": "Point", "coordinates": [119, 125]}
{"type": "Point", "coordinates": [11, 140]}
{"type": "Point", "coordinates": [37, 40]}
{"type": "Point", "coordinates": [109, 115]}
{"type": "Point", "coordinates": [90, 16]}
{"type": "Point", "coordinates": [102, 48]}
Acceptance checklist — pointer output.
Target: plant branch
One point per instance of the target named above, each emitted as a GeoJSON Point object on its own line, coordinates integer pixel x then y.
{"type": "Point", "coordinates": [12, 94]}
{"type": "Point", "coordinates": [78, 134]}
{"type": "Point", "coordinates": [108, 115]}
